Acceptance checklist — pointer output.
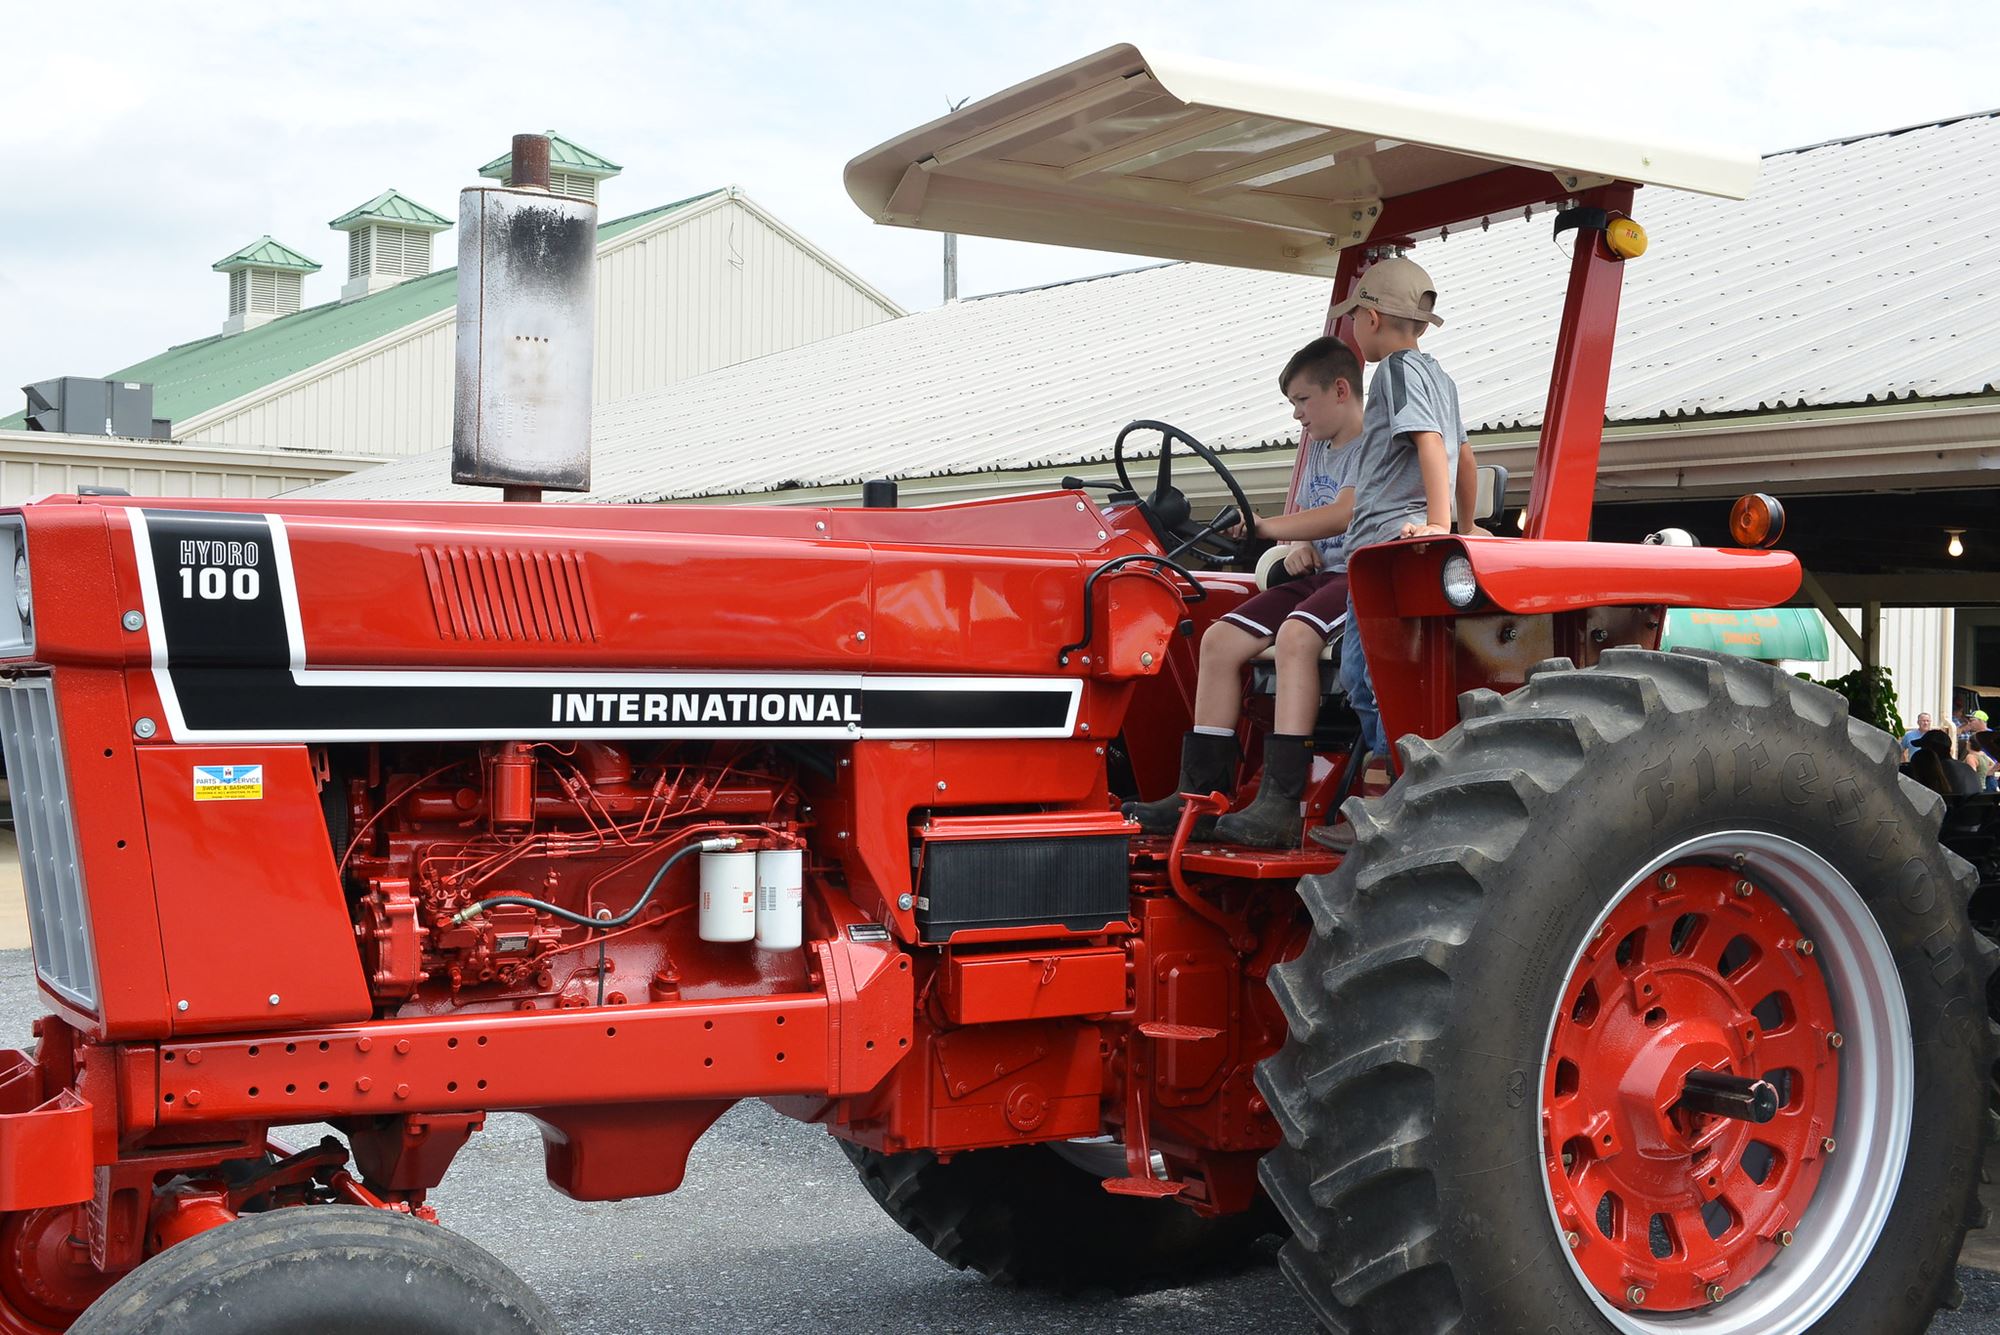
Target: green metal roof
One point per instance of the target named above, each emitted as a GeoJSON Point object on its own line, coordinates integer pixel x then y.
{"type": "Point", "coordinates": [197, 376]}
{"type": "Point", "coordinates": [392, 206]}
{"type": "Point", "coordinates": [264, 253]}
{"type": "Point", "coordinates": [1766, 632]}
{"type": "Point", "coordinates": [563, 156]}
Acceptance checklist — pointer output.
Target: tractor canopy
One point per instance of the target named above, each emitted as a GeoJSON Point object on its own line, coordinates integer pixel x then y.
{"type": "Point", "coordinates": [1192, 159]}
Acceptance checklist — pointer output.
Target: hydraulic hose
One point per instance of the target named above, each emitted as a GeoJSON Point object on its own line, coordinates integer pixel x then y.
{"type": "Point", "coordinates": [720, 844]}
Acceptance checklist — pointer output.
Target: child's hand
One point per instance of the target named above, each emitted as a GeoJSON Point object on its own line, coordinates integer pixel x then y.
{"type": "Point", "coordinates": [1302, 558]}
{"type": "Point", "coordinates": [1475, 531]}
{"type": "Point", "coordinates": [1425, 531]}
{"type": "Point", "coordinates": [1243, 528]}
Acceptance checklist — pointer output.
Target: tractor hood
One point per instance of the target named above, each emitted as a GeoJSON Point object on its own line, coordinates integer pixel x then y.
{"type": "Point", "coordinates": [1192, 159]}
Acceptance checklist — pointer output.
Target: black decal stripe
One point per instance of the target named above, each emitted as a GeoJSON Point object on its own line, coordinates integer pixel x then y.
{"type": "Point", "coordinates": [226, 629]}
{"type": "Point", "coordinates": [1000, 709]}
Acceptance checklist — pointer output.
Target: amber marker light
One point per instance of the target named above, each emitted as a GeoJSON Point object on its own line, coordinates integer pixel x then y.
{"type": "Point", "coordinates": [1625, 238]}
{"type": "Point", "coordinates": [1756, 520]}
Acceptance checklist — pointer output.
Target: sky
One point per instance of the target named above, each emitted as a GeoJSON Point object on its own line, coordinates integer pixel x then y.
{"type": "Point", "coordinates": [140, 143]}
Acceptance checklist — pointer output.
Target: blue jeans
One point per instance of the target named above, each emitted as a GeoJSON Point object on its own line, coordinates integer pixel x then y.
{"type": "Point", "coordinates": [1361, 691]}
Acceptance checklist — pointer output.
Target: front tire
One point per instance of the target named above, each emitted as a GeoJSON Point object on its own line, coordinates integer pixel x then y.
{"type": "Point", "coordinates": [1565, 906]}
{"type": "Point", "coordinates": [320, 1270]}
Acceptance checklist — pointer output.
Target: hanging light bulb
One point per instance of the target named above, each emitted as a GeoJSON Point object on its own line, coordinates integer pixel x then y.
{"type": "Point", "coordinates": [1955, 547]}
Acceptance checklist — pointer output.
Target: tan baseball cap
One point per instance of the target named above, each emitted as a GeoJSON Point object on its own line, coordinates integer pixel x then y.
{"type": "Point", "coordinates": [1395, 287]}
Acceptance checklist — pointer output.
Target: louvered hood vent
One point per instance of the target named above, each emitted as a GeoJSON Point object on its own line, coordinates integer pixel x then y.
{"type": "Point", "coordinates": [495, 593]}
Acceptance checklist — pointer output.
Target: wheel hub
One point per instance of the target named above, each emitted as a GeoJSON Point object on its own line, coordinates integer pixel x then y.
{"type": "Point", "coordinates": [1695, 1008]}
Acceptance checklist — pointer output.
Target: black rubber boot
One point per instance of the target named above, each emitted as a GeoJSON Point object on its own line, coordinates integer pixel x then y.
{"type": "Point", "coordinates": [1272, 820]}
{"type": "Point", "coordinates": [1208, 765]}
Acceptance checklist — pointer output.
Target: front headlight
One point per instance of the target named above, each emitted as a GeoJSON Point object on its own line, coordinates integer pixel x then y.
{"type": "Point", "coordinates": [1460, 585]}
{"type": "Point", "coordinates": [23, 600]}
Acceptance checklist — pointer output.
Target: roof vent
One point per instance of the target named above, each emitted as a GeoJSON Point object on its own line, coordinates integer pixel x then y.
{"type": "Point", "coordinates": [264, 281]}
{"type": "Point", "coordinates": [573, 170]}
{"type": "Point", "coordinates": [388, 240]}
{"type": "Point", "coordinates": [79, 406]}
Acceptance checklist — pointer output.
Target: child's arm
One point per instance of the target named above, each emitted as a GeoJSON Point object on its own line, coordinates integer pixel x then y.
{"type": "Point", "coordinates": [1436, 472]}
{"type": "Point", "coordinates": [1322, 521]}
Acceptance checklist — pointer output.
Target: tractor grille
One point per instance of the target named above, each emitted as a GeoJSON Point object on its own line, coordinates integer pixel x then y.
{"type": "Point", "coordinates": [38, 782]}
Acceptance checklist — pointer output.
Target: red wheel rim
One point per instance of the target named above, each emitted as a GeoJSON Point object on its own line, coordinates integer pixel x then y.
{"type": "Point", "coordinates": [46, 1279]}
{"type": "Point", "coordinates": [1666, 1209]}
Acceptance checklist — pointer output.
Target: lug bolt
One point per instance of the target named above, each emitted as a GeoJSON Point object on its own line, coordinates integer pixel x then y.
{"type": "Point", "coordinates": [363, 1084]}
{"type": "Point", "coordinates": [1805, 946]}
{"type": "Point", "coordinates": [1715, 1293]}
{"type": "Point", "coordinates": [1785, 1238]}
{"type": "Point", "coordinates": [1574, 1239]}
{"type": "Point", "coordinates": [1635, 1295]}
{"type": "Point", "coordinates": [1743, 889]}
{"type": "Point", "coordinates": [1667, 882]}
{"type": "Point", "coordinates": [1835, 1041]}
{"type": "Point", "coordinates": [192, 1098]}
{"type": "Point", "coordinates": [1827, 1145]}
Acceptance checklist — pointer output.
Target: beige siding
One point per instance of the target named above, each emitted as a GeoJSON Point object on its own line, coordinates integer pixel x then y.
{"type": "Point", "coordinates": [720, 288]}
{"type": "Point", "coordinates": [717, 286]}
{"type": "Point", "coordinates": [1917, 650]}
{"type": "Point", "coordinates": [39, 464]}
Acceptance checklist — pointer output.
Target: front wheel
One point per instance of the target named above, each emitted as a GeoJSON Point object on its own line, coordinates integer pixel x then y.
{"type": "Point", "coordinates": [320, 1270]}
{"type": "Point", "coordinates": [1646, 1004]}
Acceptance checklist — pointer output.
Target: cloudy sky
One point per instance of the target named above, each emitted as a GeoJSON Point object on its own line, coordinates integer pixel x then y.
{"type": "Point", "coordinates": [143, 142]}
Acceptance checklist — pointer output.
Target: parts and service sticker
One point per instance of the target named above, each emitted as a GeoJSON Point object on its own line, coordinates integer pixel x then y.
{"type": "Point", "coordinates": [228, 783]}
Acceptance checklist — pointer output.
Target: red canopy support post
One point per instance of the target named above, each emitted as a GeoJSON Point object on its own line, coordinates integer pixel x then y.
{"type": "Point", "coordinates": [1579, 384]}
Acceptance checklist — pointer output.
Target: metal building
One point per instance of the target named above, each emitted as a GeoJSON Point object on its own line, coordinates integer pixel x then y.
{"type": "Point", "coordinates": [294, 391]}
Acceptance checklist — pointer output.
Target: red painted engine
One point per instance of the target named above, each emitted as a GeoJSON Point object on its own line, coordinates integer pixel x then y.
{"type": "Point", "coordinates": [424, 835]}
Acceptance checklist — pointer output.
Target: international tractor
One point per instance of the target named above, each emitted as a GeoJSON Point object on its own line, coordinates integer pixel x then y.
{"type": "Point", "coordinates": [1644, 1002]}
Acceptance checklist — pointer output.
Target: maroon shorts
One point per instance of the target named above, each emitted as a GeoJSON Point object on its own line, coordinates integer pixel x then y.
{"type": "Point", "coordinates": [1319, 599]}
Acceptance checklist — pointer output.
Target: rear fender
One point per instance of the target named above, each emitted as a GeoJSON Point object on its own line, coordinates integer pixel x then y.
{"type": "Point", "coordinates": [1536, 600]}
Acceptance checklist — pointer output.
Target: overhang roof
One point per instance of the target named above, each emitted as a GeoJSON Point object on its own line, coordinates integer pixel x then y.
{"type": "Point", "coordinates": [1184, 158]}
{"type": "Point", "coordinates": [1863, 277]}
{"type": "Point", "coordinates": [264, 253]}
{"type": "Point", "coordinates": [394, 207]}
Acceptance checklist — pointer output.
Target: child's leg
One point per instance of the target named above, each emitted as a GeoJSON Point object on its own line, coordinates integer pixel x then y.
{"type": "Point", "coordinates": [1360, 690]}
{"type": "Point", "coordinates": [1218, 693]}
{"type": "Point", "coordinates": [1299, 648]}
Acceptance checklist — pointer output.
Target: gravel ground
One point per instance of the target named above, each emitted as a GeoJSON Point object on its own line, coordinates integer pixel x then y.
{"type": "Point", "coordinates": [773, 1233]}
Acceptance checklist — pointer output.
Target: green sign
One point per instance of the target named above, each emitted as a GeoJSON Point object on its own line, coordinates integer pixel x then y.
{"type": "Point", "coordinates": [1764, 632]}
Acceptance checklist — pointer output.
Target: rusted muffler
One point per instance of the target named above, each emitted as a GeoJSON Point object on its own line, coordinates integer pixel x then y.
{"type": "Point", "coordinates": [527, 319]}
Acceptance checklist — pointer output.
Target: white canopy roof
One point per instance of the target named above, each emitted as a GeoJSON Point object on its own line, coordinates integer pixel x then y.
{"type": "Point", "coordinates": [1195, 159]}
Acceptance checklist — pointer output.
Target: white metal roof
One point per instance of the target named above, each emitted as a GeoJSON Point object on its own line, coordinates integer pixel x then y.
{"type": "Point", "coordinates": [1191, 159]}
{"type": "Point", "coordinates": [1861, 272]}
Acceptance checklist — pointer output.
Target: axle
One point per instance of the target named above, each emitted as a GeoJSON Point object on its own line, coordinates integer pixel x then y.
{"type": "Point", "coordinates": [1723, 1095]}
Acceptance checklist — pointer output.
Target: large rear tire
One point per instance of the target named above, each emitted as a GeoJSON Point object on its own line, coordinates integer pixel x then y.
{"type": "Point", "coordinates": [320, 1270]}
{"type": "Point", "coordinates": [1030, 1218]}
{"type": "Point", "coordinates": [1586, 890]}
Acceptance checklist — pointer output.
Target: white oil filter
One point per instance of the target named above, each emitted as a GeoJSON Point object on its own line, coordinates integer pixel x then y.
{"type": "Point", "coordinates": [728, 896]}
{"type": "Point", "coordinates": [781, 898]}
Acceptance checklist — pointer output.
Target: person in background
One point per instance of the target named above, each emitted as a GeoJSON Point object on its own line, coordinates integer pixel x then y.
{"type": "Point", "coordinates": [1914, 735]}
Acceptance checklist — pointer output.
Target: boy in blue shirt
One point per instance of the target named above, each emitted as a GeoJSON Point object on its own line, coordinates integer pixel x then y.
{"type": "Point", "coordinates": [1323, 383]}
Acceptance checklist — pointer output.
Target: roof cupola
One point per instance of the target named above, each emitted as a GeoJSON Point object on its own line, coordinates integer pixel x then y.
{"type": "Point", "coordinates": [573, 170]}
{"type": "Point", "coordinates": [388, 240]}
{"type": "Point", "coordinates": [264, 281]}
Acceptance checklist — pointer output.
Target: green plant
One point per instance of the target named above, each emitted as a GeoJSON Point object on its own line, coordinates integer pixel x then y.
{"type": "Point", "coordinates": [1871, 697]}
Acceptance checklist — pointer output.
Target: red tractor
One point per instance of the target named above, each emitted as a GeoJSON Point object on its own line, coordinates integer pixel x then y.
{"type": "Point", "coordinates": [1645, 1002]}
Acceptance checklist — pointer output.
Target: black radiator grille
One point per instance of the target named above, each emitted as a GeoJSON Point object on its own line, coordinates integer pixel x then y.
{"type": "Point", "coordinates": [1078, 884]}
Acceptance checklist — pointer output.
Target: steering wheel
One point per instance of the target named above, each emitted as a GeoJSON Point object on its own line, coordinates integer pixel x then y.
{"type": "Point", "coordinates": [1167, 508]}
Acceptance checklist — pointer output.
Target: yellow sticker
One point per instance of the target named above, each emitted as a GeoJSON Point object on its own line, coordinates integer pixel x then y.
{"type": "Point", "coordinates": [228, 783]}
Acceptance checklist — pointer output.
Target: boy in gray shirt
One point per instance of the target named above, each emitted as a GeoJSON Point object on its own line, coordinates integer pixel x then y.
{"type": "Point", "coordinates": [1412, 461]}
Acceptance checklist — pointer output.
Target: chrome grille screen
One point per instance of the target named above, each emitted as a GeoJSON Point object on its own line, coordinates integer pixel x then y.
{"type": "Point", "coordinates": [38, 781]}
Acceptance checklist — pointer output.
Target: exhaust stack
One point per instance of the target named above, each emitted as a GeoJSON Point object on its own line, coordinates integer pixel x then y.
{"type": "Point", "coordinates": [527, 291]}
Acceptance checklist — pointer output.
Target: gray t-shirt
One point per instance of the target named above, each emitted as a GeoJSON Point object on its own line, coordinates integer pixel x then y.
{"type": "Point", "coordinates": [1329, 470]}
{"type": "Point", "coordinates": [1409, 393]}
